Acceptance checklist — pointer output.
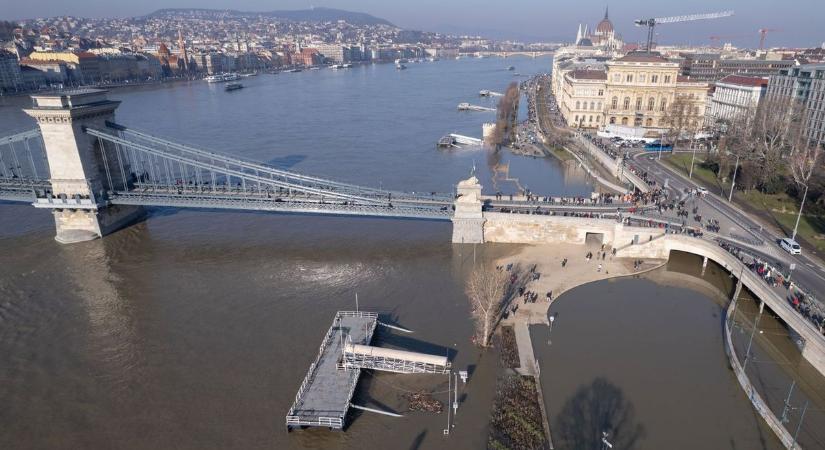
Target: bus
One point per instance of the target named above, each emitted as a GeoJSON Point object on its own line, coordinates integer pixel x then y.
{"type": "Point", "coordinates": [657, 146]}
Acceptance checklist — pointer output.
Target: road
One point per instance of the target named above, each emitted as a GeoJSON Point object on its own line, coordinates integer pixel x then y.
{"type": "Point", "coordinates": [809, 272]}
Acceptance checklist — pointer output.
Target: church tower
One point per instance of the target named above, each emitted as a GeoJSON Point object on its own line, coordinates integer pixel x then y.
{"type": "Point", "coordinates": [184, 55]}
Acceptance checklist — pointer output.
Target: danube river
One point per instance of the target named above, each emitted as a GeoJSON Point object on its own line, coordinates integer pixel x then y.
{"type": "Point", "coordinates": [193, 329]}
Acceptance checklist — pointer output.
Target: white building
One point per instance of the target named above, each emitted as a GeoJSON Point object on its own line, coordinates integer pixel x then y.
{"type": "Point", "coordinates": [735, 95]}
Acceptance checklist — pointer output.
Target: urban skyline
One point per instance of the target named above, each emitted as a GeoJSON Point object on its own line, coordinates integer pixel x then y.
{"type": "Point", "coordinates": [545, 22]}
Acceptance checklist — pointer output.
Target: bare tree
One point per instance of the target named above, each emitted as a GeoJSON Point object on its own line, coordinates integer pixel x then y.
{"type": "Point", "coordinates": [776, 126]}
{"type": "Point", "coordinates": [803, 164]}
{"type": "Point", "coordinates": [486, 289]}
{"type": "Point", "coordinates": [507, 114]}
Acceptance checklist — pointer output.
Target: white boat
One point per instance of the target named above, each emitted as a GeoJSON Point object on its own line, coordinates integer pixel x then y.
{"type": "Point", "coordinates": [401, 61]}
{"type": "Point", "coordinates": [484, 93]}
{"type": "Point", "coordinates": [400, 66]}
{"type": "Point", "coordinates": [346, 66]}
{"type": "Point", "coordinates": [231, 77]}
{"type": "Point", "coordinates": [336, 66]}
{"type": "Point", "coordinates": [217, 78]}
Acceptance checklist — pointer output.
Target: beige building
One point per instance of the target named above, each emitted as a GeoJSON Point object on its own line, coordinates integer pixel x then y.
{"type": "Point", "coordinates": [636, 90]}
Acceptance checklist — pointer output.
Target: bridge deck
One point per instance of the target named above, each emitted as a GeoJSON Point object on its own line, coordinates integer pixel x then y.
{"type": "Point", "coordinates": [324, 396]}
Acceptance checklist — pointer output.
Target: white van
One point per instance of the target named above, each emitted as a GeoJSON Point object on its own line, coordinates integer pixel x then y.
{"type": "Point", "coordinates": [790, 246]}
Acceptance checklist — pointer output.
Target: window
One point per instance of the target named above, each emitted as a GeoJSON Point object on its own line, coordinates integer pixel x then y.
{"type": "Point", "coordinates": [599, 106]}
{"type": "Point", "coordinates": [667, 78]}
{"type": "Point", "coordinates": [601, 92]}
{"type": "Point", "coordinates": [651, 104]}
{"type": "Point", "coordinates": [664, 104]}
{"type": "Point", "coordinates": [576, 119]}
{"type": "Point", "coordinates": [578, 105]}
{"type": "Point", "coordinates": [591, 119]}
{"type": "Point", "coordinates": [592, 105]}
{"type": "Point", "coordinates": [613, 120]}
{"type": "Point", "coordinates": [638, 103]}
{"type": "Point", "coordinates": [598, 119]}
{"type": "Point", "coordinates": [627, 103]}
{"type": "Point", "coordinates": [649, 122]}
{"type": "Point", "coordinates": [624, 120]}
{"type": "Point", "coordinates": [629, 78]}
{"type": "Point", "coordinates": [642, 78]}
{"type": "Point", "coordinates": [654, 78]}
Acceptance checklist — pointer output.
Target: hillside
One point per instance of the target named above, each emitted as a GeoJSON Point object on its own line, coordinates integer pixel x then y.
{"type": "Point", "coordinates": [298, 15]}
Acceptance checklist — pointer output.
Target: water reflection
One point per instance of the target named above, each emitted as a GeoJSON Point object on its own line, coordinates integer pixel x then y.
{"type": "Point", "coordinates": [112, 339]}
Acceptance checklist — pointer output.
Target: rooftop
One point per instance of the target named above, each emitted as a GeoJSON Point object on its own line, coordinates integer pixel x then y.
{"type": "Point", "coordinates": [741, 80]}
{"type": "Point", "coordinates": [643, 57]}
{"type": "Point", "coordinates": [589, 74]}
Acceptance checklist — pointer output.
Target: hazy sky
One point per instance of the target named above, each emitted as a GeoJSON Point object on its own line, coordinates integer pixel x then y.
{"type": "Point", "coordinates": [801, 21]}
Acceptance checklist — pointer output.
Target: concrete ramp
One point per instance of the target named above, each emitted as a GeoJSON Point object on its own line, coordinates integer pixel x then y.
{"type": "Point", "coordinates": [391, 360]}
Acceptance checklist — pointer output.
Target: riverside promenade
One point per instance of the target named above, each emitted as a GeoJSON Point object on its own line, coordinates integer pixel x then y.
{"type": "Point", "coordinates": [557, 280]}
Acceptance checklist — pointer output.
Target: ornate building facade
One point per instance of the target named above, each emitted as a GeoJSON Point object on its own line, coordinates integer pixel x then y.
{"type": "Point", "coordinates": [638, 90]}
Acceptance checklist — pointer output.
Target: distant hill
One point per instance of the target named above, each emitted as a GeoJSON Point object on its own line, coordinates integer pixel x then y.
{"type": "Point", "coordinates": [298, 15]}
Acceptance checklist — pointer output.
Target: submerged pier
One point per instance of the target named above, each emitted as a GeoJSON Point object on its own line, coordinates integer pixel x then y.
{"type": "Point", "coordinates": [325, 395]}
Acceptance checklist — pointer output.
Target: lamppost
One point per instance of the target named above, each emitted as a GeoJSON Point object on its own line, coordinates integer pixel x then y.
{"type": "Point", "coordinates": [661, 143]}
{"type": "Point", "coordinates": [692, 158]}
{"type": "Point", "coordinates": [733, 180]}
{"type": "Point", "coordinates": [799, 216]}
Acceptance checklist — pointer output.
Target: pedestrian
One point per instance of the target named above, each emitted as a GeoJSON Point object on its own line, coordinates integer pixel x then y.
{"type": "Point", "coordinates": [600, 268]}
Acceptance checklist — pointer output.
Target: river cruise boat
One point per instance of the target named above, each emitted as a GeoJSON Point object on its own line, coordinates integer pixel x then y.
{"type": "Point", "coordinates": [233, 86]}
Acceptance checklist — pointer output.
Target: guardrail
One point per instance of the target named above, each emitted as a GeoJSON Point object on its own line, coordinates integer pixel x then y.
{"type": "Point", "coordinates": [755, 398]}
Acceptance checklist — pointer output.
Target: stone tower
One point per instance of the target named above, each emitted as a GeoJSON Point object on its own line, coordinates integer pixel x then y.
{"type": "Point", "coordinates": [468, 219]}
{"type": "Point", "coordinates": [79, 180]}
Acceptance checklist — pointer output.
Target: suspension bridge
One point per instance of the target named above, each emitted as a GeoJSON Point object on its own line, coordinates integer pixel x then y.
{"type": "Point", "coordinates": [97, 175]}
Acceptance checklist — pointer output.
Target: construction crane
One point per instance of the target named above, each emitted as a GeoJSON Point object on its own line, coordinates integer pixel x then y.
{"type": "Point", "coordinates": [730, 36]}
{"type": "Point", "coordinates": [763, 33]}
{"type": "Point", "coordinates": [651, 23]}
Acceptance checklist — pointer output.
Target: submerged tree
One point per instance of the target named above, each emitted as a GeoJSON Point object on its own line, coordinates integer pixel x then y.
{"type": "Point", "coordinates": [486, 289]}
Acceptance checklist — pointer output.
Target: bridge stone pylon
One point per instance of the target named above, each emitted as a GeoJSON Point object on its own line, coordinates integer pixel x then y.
{"type": "Point", "coordinates": [76, 162]}
{"type": "Point", "coordinates": [468, 218]}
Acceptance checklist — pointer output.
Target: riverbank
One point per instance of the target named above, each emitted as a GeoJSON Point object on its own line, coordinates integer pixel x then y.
{"type": "Point", "coordinates": [556, 269]}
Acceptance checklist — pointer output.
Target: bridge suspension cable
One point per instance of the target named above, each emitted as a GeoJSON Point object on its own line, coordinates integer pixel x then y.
{"type": "Point", "coordinates": [258, 169]}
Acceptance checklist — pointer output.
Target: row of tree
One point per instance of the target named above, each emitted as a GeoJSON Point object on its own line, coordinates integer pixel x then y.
{"type": "Point", "coordinates": [766, 149]}
{"type": "Point", "coordinates": [506, 116]}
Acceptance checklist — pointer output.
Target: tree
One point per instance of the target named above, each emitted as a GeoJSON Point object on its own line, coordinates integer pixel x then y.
{"type": "Point", "coordinates": [803, 164]}
{"type": "Point", "coordinates": [486, 289]}
{"type": "Point", "coordinates": [507, 114]}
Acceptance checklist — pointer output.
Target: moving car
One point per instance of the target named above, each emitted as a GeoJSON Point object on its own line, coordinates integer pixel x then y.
{"type": "Point", "coordinates": [790, 246]}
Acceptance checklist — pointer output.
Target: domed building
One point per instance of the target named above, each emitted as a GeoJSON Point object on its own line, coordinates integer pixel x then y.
{"type": "Point", "coordinates": [604, 37]}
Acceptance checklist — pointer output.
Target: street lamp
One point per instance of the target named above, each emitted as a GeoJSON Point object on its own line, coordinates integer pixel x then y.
{"type": "Point", "coordinates": [799, 216]}
{"type": "Point", "coordinates": [692, 158]}
{"type": "Point", "coordinates": [733, 180]}
{"type": "Point", "coordinates": [661, 143]}
{"type": "Point", "coordinates": [605, 443]}
{"type": "Point", "coordinates": [552, 319]}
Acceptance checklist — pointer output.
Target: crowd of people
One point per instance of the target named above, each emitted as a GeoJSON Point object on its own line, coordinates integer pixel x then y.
{"type": "Point", "coordinates": [802, 302]}
{"type": "Point", "coordinates": [605, 147]}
